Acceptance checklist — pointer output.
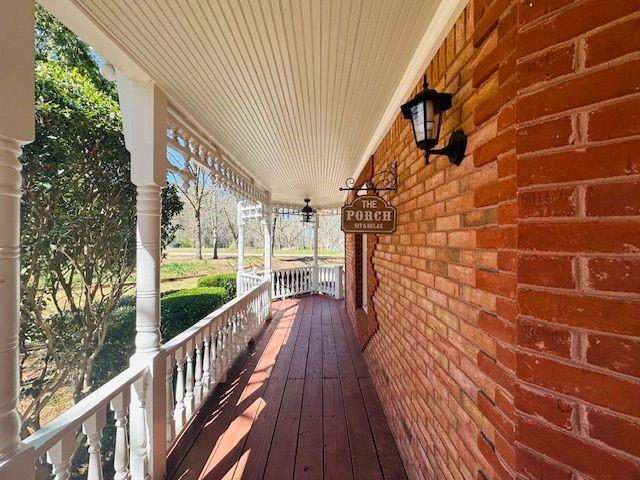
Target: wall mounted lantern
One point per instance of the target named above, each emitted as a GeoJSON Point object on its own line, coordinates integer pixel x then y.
{"type": "Point", "coordinates": [425, 112]}
{"type": "Point", "coordinates": [307, 211]}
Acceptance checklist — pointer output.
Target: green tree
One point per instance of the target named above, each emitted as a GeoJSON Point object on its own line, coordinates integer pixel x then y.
{"type": "Point", "coordinates": [78, 221]}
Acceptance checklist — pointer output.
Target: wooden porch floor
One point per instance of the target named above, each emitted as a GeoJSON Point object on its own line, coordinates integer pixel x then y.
{"type": "Point", "coordinates": [302, 405]}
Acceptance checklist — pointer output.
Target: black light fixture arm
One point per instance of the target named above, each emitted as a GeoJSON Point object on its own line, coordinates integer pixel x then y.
{"type": "Point", "coordinates": [454, 149]}
{"type": "Point", "coordinates": [422, 110]}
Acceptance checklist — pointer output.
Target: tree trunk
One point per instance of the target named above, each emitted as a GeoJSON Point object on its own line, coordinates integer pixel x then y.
{"type": "Point", "coordinates": [273, 233]}
{"type": "Point", "coordinates": [198, 235]}
{"type": "Point", "coordinates": [215, 226]}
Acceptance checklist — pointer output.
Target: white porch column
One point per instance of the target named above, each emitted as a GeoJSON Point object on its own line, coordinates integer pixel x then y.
{"type": "Point", "coordinates": [240, 224]}
{"type": "Point", "coordinates": [144, 110]}
{"type": "Point", "coordinates": [267, 222]}
{"type": "Point", "coordinates": [16, 129]}
{"type": "Point", "coordinates": [316, 226]}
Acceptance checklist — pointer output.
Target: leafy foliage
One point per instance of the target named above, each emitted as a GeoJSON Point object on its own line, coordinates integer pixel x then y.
{"type": "Point", "coordinates": [180, 310]}
{"type": "Point", "coordinates": [78, 220]}
{"type": "Point", "coordinates": [183, 308]}
{"type": "Point", "coordinates": [224, 280]}
{"type": "Point", "coordinates": [56, 43]}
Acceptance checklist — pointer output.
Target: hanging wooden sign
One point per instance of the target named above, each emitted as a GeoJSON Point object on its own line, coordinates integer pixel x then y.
{"type": "Point", "coordinates": [368, 214]}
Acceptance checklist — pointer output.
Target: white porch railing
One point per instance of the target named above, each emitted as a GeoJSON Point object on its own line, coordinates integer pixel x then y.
{"type": "Point", "coordinates": [196, 361]}
{"type": "Point", "coordinates": [248, 280]}
{"type": "Point", "coordinates": [58, 440]}
{"type": "Point", "coordinates": [289, 282]}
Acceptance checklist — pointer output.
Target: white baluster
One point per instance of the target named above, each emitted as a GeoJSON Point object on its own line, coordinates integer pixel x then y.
{"type": "Point", "coordinates": [305, 280]}
{"type": "Point", "coordinates": [326, 280]}
{"type": "Point", "coordinates": [254, 310]}
{"type": "Point", "coordinates": [338, 288]}
{"type": "Point", "coordinates": [59, 456]}
{"type": "Point", "coordinates": [206, 364]}
{"type": "Point", "coordinates": [239, 332]}
{"type": "Point", "coordinates": [234, 338]}
{"type": "Point", "coordinates": [247, 327]}
{"type": "Point", "coordinates": [169, 398]}
{"type": "Point", "coordinates": [222, 361]}
{"type": "Point", "coordinates": [231, 340]}
{"type": "Point", "coordinates": [242, 332]}
{"type": "Point", "coordinates": [179, 412]}
{"type": "Point", "coordinates": [121, 448]}
{"type": "Point", "coordinates": [214, 360]}
{"type": "Point", "coordinates": [92, 428]}
{"type": "Point", "coordinates": [138, 447]}
{"type": "Point", "coordinates": [197, 389]}
{"type": "Point", "coordinates": [188, 384]}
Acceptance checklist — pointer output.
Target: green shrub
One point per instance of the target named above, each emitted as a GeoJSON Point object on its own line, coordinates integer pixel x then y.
{"type": "Point", "coordinates": [184, 308]}
{"type": "Point", "coordinates": [224, 280]}
{"type": "Point", "coordinates": [180, 310]}
{"type": "Point", "coordinates": [118, 344]}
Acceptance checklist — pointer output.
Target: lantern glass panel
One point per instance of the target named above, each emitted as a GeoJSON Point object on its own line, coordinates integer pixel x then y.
{"type": "Point", "coordinates": [417, 117]}
{"type": "Point", "coordinates": [430, 123]}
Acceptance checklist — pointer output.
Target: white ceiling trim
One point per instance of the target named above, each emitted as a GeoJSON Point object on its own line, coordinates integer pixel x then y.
{"type": "Point", "coordinates": [443, 21]}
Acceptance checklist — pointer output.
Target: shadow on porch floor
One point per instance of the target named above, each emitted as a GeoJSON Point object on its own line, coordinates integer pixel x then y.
{"type": "Point", "coordinates": [300, 405]}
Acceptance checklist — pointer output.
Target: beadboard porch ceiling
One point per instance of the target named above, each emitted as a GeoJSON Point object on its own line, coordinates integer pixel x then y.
{"type": "Point", "coordinates": [293, 90]}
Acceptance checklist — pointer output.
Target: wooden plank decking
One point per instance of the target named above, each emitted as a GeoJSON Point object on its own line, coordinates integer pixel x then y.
{"type": "Point", "coordinates": [301, 406]}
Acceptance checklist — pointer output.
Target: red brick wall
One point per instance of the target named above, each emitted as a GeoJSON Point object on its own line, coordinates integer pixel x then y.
{"type": "Point", "coordinates": [365, 323]}
{"type": "Point", "coordinates": [578, 325]}
{"type": "Point", "coordinates": [506, 339]}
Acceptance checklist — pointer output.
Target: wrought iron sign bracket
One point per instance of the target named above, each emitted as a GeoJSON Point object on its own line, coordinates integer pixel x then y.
{"type": "Point", "coordinates": [382, 181]}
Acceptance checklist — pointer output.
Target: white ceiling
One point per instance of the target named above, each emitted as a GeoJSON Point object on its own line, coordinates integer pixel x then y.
{"type": "Point", "coordinates": [293, 89]}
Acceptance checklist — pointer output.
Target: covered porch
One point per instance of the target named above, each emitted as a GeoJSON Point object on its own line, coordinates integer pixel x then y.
{"type": "Point", "coordinates": [299, 404]}
{"type": "Point", "coordinates": [492, 333]}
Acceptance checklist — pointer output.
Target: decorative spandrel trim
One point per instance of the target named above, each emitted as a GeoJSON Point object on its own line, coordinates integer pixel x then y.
{"type": "Point", "coordinates": [210, 157]}
{"type": "Point", "coordinates": [384, 180]}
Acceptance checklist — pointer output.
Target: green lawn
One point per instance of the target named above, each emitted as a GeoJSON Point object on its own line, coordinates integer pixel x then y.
{"type": "Point", "coordinates": [253, 251]}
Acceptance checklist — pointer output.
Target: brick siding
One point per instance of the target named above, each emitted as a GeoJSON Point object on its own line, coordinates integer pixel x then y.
{"type": "Point", "coordinates": [504, 338]}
